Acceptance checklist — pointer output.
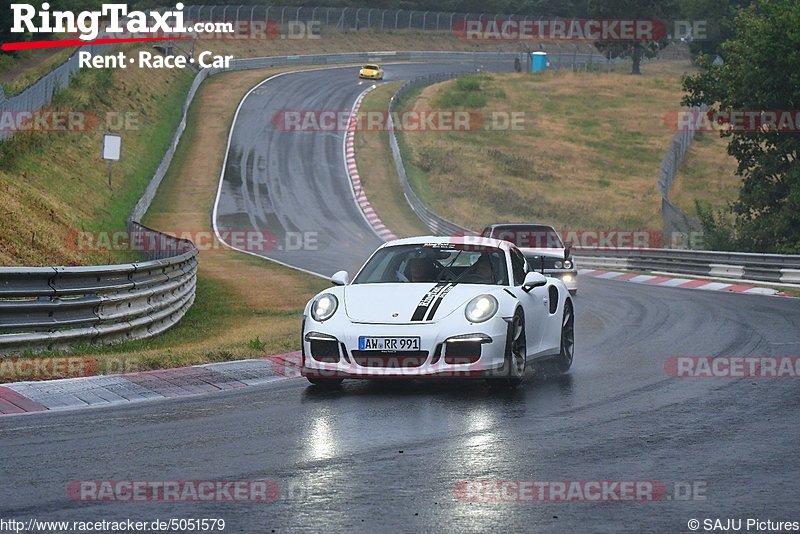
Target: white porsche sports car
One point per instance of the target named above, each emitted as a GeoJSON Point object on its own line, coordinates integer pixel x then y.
{"type": "Point", "coordinates": [439, 307]}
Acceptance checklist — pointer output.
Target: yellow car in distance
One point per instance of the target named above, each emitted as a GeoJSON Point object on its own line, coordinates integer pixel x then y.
{"type": "Point", "coordinates": [371, 72]}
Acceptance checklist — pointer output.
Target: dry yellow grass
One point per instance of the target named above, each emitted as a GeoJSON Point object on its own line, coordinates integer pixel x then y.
{"type": "Point", "coordinates": [587, 156]}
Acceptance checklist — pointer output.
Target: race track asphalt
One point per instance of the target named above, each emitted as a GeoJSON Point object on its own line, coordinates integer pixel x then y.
{"type": "Point", "coordinates": [377, 456]}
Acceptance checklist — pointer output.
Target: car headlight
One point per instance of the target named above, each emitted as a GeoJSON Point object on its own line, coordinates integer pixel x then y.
{"type": "Point", "coordinates": [324, 307]}
{"type": "Point", "coordinates": [481, 308]}
{"type": "Point", "coordinates": [567, 264]}
{"type": "Point", "coordinates": [558, 265]}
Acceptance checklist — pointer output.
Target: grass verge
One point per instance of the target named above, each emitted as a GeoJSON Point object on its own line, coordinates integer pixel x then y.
{"type": "Point", "coordinates": [586, 156]}
{"type": "Point", "coordinates": [54, 183]}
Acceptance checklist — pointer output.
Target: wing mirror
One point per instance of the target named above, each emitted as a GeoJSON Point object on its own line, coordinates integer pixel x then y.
{"type": "Point", "coordinates": [567, 250]}
{"type": "Point", "coordinates": [340, 278]}
{"type": "Point", "coordinates": [533, 280]}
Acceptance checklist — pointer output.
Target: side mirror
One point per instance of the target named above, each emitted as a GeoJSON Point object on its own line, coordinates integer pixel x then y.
{"type": "Point", "coordinates": [567, 250]}
{"type": "Point", "coordinates": [533, 280]}
{"type": "Point", "coordinates": [340, 278]}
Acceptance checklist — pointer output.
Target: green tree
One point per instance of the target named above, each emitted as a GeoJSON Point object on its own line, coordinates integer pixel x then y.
{"type": "Point", "coordinates": [662, 10]}
{"type": "Point", "coordinates": [718, 17]}
{"type": "Point", "coordinates": [761, 72]}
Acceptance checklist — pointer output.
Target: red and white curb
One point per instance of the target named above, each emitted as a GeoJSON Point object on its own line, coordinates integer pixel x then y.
{"type": "Point", "coordinates": [355, 180]}
{"type": "Point", "coordinates": [686, 283]}
{"type": "Point", "coordinates": [107, 390]}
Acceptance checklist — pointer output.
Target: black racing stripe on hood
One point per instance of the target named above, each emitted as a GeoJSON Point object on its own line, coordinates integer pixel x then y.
{"type": "Point", "coordinates": [439, 299]}
{"type": "Point", "coordinates": [427, 300]}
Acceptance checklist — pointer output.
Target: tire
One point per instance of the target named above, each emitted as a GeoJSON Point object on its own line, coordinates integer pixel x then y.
{"type": "Point", "coordinates": [513, 370]}
{"type": "Point", "coordinates": [564, 359]}
{"type": "Point", "coordinates": [325, 382]}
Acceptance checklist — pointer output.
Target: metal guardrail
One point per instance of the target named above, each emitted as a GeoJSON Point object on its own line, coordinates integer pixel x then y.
{"type": "Point", "coordinates": [737, 265]}
{"type": "Point", "coordinates": [57, 307]}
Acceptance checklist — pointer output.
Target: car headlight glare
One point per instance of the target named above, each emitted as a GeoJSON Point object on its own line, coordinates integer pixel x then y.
{"type": "Point", "coordinates": [558, 265]}
{"type": "Point", "coordinates": [324, 307]}
{"type": "Point", "coordinates": [567, 264]}
{"type": "Point", "coordinates": [481, 308]}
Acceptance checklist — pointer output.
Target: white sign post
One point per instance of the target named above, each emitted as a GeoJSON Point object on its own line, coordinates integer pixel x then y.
{"type": "Point", "coordinates": [112, 150]}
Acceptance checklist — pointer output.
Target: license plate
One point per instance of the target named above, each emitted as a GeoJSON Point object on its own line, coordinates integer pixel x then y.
{"type": "Point", "coordinates": [388, 343]}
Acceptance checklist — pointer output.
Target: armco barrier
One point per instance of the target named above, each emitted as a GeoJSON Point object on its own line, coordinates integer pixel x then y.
{"type": "Point", "coordinates": [743, 266]}
{"type": "Point", "coordinates": [57, 307]}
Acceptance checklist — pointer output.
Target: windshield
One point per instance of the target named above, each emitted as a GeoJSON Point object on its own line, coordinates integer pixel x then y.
{"type": "Point", "coordinates": [426, 263]}
{"type": "Point", "coordinates": [529, 236]}
{"type": "Point", "coordinates": [371, 67]}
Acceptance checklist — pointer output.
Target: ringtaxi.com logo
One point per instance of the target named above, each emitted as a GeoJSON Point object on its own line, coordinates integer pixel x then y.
{"type": "Point", "coordinates": [114, 20]}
